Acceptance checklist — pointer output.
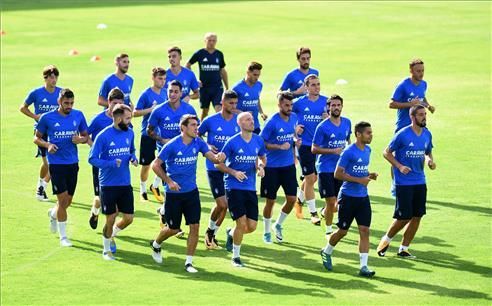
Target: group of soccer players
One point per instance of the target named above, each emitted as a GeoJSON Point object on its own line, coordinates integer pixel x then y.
{"type": "Point", "coordinates": [308, 130]}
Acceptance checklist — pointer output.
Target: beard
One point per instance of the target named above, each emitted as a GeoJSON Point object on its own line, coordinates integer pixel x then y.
{"type": "Point", "coordinates": [122, 126]}
{"type": "Point", "coordinates": [305, 66]}
{"type": "Point", "coordinates": [422, 124]}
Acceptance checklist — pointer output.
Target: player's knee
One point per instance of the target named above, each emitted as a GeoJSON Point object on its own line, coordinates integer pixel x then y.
{"type": "Point", "coordinates": [364, 231]}
{"type": "Point", "coordinates": [310, 179]}
{"type": "Point", "coordinates": [128, 219]}
{"type": "Point", "coordinates": [250, 227]}
{"type": "Point", "coordinates": [194, 228]}
{"type": "Point", "coordinates": [342, 233]}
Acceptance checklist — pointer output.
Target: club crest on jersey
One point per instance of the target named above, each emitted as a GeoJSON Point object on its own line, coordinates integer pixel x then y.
{"type": "Point", "coordinates": [127, 141]}
{"type": "Point", "coordinates": [217, 60]}
{"type": "Point", "coordinates": [74, 123]}
{"type": "Point", "coordinates": [194, 151]}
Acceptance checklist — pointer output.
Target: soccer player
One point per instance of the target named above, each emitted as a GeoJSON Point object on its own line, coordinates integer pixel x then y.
{"type": "Point", "coordinates": [245, 154]}
{"type": "Point", "coordinates": [249, 91]}
{"type": "Point", "coordinates": [353, 201]}
{"type": "Point", "coordinates": [410, 92]}
{"type": "Point", "coordinates": [149, 99]}
{"type": "Point", "coordinates": [279, 133]}
{"type": "Point", "coordinates": [184, 75]}
{"type": "Point", "coordinates": [310, 110]}
{"type": "Point", "coordinates": [408, 152]}
{"type": "Point", "coordinates": [219, 128]}
{"type": "Point", "coordinates": [330, 138]}
{"type": "Point", "coordinates": [165, 119]}
{"type": "Point", "coordinates": [179, 157]}
{"type": "Point", "coordinates": [97, 124]}
{"type": "Point", "coordinates": [45, 99]}
{"type": "Point", "coordinates": [294, 80]}
{"type": "Point", "coordinates": [211, 65]}
{"type": "Point", "coordinates": [66, 128]}
{"type": "Point", "coordinates": [112, 152]}
{"type": "Point", "coordinates": [119, 79]}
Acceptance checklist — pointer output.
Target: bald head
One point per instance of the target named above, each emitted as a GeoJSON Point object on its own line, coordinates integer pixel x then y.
{"type": "Point", "coordinates": [246, 122]}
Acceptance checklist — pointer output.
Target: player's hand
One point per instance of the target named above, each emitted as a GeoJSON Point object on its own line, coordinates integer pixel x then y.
{"type": "Point", "coordinates": [373, 176]}
{"type": "Point", "coordinates": [285, 146]}
{"type": "Point", "coordinates": [264, 116]}
{"type": "Point", "coordinates": [173, 185]}
{"type": "Point", "coordinates": [298, 142]}
{"type": "Point", "coordinates": [134, 162]}
{"type": "Point", "coordinates": [404, 169]}
{"type": "Point", "coordinates": [164, 141]}
{"type": "Point", "coordinates": [200, 84]}
{"type": "Point", "coordinates": [261, 172]}
{"type": "Point", "coordinates": [36, 117]}
{"type": "Point", "coordinates": [240, 176]}
{"type": "Point", "coordinates": [339, 150]}
{"type": "Point", "coordinates": [299, 129]}
{"type": "Point", "coordinates": [365, 180]}
{"type": "Point", "coordinates": [220, 157]}
{"type": "Point", "coordinates": [431, 109]}
{"type": "Point", "coordinates": [154, 104]}
{"type": "Point", "coordinates": [325, 115]}
{"type": "Point", "coordinates": [52, 148]}
{"type": "Point", "coordinates": [301, 90]}
{"type": "Point", "coordinates": [431, 164]}
{"type": "Point", "coordinates": [187, 99]}
{"type": "Point", "coordinates": [213, 149]}
{"type": "Point", "coordinates": [118, 162]}
{"type": "Point", "coordinates": [76, 139]}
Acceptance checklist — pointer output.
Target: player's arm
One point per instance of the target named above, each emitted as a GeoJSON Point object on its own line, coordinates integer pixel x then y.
{"type": "Point", "coordinates": [388, 155]}
{"type": "Point", "coordinates": [431, 108]}
{"type": "Point", "coordinates": [102, 101]}
{"type": "Point", "coordinates": [260, 109]}
{"type": "Point", "coordinates": [82, 137]}
{"type": "Point", "coordinates": [38, 140]}
{"type": "Point", "coordinates": [195, 95]}
{"type": "Point", "coordinates": [260, 165]}
{"type": "Point", "coordinates": [24, 108]}
{"type": "Point", "coordinates": [225, 77]}
{"type": "Point", "coordinates": [188, 65]}
{"type": "Point", "coordinates": [153, 134]}
{"type": "Point", "coordinates": [215, 158]}
{"type": "Point", "coordinates": [273, 146]}
{"type": "Point", "coordinates": [95, 153]}
{"type": "Point", "coordinates": [401, 105]}
{"type": "Point", "coordinates": [341, 175]}
{"type": "Point", "coordinates": [429, 159]}
{"type": "Point", "coordinates": [143, 112]}
{"type": "Point", "coordinates": [315, 149]}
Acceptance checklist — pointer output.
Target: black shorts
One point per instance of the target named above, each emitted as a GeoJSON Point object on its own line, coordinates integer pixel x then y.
{"type": "Point", "coordinates": [95, 180]}
{"type": "Point", "coordinates": [257, 131]}
{"type": "Point", "coordinates": [242, 202]}
{"type": "Point", "coordinates": [178, 204]}
{"type": "Point", "coordinates": [117, 199]}
{"type": "Point", "coordinates": [147, 150]}
{"type": "Point", "coordinates": [307, 160]}
{"type": "Point", "coordinates": [350, 208]}
{"type": "Point", "coordinates": [276, 177]}
{"type": "Point", "coordinates": [210, 94]}
{"type": "Point", "coordinates": [42, 151]}
{"type": "Point", "coordinates": [410, 201]}
{"type": "Point", "coordinates": [64, 178]}
{"type": "Point", "coordinates": [328, 185]}
{"type": "Point", "coordinates": [216, 182]}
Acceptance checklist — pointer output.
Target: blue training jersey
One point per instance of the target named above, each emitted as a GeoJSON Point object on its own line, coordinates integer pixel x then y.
{"type": "Point", "coordinates": [330, 136]}
{"type": "Point", "coordinates": [112, 144]}
{"type": "Point", "coordinates": [146, 100]}
{"type": "Point", "coordinates": [241, 156]}
{"type": "Point", "coordinates": [181, 160]}
{"type": "Point", "coordinates": [405, 92]}
{"type": "Point", "coordinates": [187, 79]}
{"type": "Point", "coordinates": [60, 130]}
{"type": "Point", "coordinates": [295, 78]}
{"type": "Point", "coordinates": [249, 98]}
{"type": "Point", "coordinates": [310, 114]}
{"type": "Point", "coordinates": [166, 120]}
{"type": "Point", "coordinates": [112, 81]}
{"type": "Point", "coordinates": [218, 131]}
{"type": "Point", "coordinates": [98, 123]}
{"type": "Point", "coordinates": [43, 100]}
{"type": "Point", "coordinates": [410, 150]}
{"type": "Point", "coordinates": [209, 66]}
{"type": "Point", "coordinates": [356, 163]}
{"type": "Point", "coordinates": [278, 131]}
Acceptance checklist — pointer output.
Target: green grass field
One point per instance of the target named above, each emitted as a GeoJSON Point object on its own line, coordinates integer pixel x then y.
{"type": "Point", "coordinates": [367, 43]}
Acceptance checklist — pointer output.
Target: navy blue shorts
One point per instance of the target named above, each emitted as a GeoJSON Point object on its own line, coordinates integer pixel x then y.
{"type": "Point", "coordinates": [216, 182]}
{"type": "Point", "coordinates": [410, 201]}
{"type": "Point", "coordinates": [242, 202]}
{"type": "Point", "coordinates": [181, 204]}
{"type": "Point", "coordinates": [95, 180]}
{"type": "Point", "coordinates": [64, 178]}
{"type": "Point", "coordinates": [328, 185]}
{"type": "Point", "coordinates": [350, 208]}
{"type": "Point", "coordinates": [307, 160]}
{"type": "Point", "coordinates": [210, 94]}
{"type": "Point", "coordinates": [276, 177]}
{"type": "Point", "coordinates": [117, 199]}
{"type": "Point", "coordinates": [147, 150]}
{"type": "Point", "coordinates": [42, 151]}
